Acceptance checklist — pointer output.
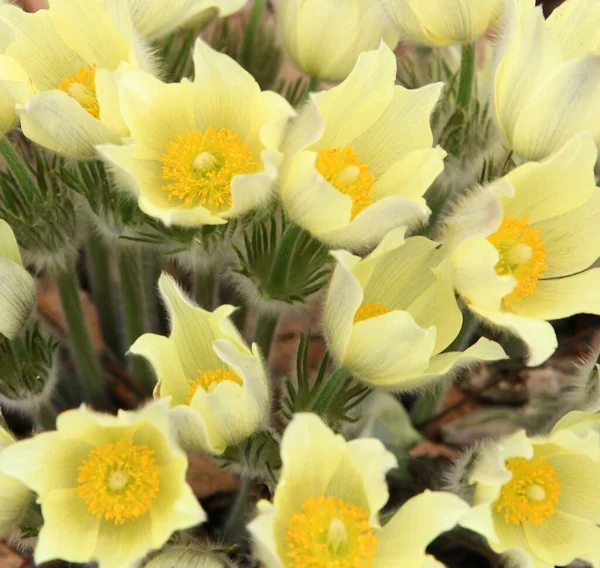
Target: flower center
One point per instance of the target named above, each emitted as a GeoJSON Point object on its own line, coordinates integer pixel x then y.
{"type": "Point", "coordinates": [522, 255]}
{"type": "Point", "coordinates": [210, 379]}
{"type": "Point", "coordinates": [330, 533]}
{"type": "Point", "coordinates": [342, 168]}
{"type": "Point", "coordinates": [531, 494]}
{"type": "Point", "coordinates": [199, 166]}
{"type": "Point", "coordinates": [119, 481]}
{"type": "Point", "coordinates": [370, 310]}
{"type": "Point", "coordinates": [81, 86]}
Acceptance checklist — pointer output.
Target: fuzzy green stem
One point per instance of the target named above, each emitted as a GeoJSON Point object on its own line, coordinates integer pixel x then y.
{"type": "Point", "coordinates": [205, 284]}
{"type": "Point", "coordinates": [284, 257]}
{"type": "Point", "coordinates": [467, 76]}
{"type": "Point", "coordinates": [87, 362]}
{"type": "Point", "coordinates": [103, 293]}
{"type": "Point", "coordinates": [134, 301]}
{"type": "Point", "coordinates": [236, 521]}
{"type": "Point", "coordinates": [46, 416]}
{"type": "Point", "coordinates": [19, 170]}
{"type": "Point", "coordinates": [151, 269]}
{"type": "Point", "coordinates": [265, 331]}
{"type": "Point", "coordinates": [313, 85]}
{"type": "Point", "coordinates": [253, 23]}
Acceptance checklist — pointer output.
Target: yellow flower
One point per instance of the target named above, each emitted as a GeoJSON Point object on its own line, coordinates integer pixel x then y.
{"type": "Point", "coordinates": [326, 507]}
{"type": "Point", "coordinates": [538, 498]}
{"type": "Point", "coordinates": [15, 497]}
{"type": "Point", "coordinates": [444, 22]}
{"type": "Point", "coordinates": [111, 488]}
{"type": "Point", "coordinates": [17, 287]}
{"type": "Point", "coordinates": [388, 317]}
{"type": "Point", "coordinates": [548, 82]}
{"type": "Point", "coordinates": [58, 67]}
{"type": "Point", "coordinates": [157, 19]}
{"type": "Point", "coordinates": [217, 387]}
{"type": "Point", "coordinates": [325, 38]}
{"type": "Point", "coordinates": [203, 152]}
{"type": "Point", "coordinates": [359, 158]}
{"type": "Point", "coordinates": [524, 243]}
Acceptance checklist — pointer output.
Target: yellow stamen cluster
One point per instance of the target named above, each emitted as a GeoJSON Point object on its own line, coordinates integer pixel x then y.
{"type": "Point", "coordinates": [118, 482]}
{"type": "Point", "coordinates": [81, 86]}
{"type": "Point", "coordinates": [210, 379]}
{"type": "Point", "coordinates": [342, 168]}
{"type": "Point", "coordinates": [330, 533]}
{"type": "Point", "coordinates": [198, 167]}
{"type": "Point", "coordinates": [522, 255]}
{"type": "Point", "coordinates": [370, 310]}
{"type": "Point", "coordinates": [532, 493]}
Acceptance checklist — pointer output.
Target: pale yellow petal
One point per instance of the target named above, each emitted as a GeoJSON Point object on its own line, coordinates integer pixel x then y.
{"type": "Point", "coordinates": [56, 121]}
{"type": "Point", "coordinates": [562, 297]}
{"type": "Point", "coordinates": [17, 297]}
{"type": "Point", "coordinates": [15, 498]}
{"type": "Point", "coordinates": [404, 539]}
{"type": "Point", "coordinates": [9, 247]}
{"type": "Point", "coordinates": [65, 514]}
{"type": "Point", "coordinates": [535, 54]}
{"type": "Point", "coordinates": [343, 299]}
{"type": "Point", "coordinates": [392, 241]}
{"type": "Point", "coordinates": [119, 546]}
{"type": "Point", "coordinates": [475, 277]}
{"type": "Point", "coordinates": [270, 116]}
{"type": "Point", "coordinates": [561, 183]}
{"type": "Point", "coordinates": [194, 433]}
{"type": "Point", "coordinates": [561, 107]}
{"type": "Point", "coordinates": [386, 349]}
{"type": "Point", "coordinates": [403, 128]}
{"type": "Point", "coordinates": [182, 215]}
{"type": "Point", "coordinates": [107, 93]}
{"type": "Point", "coordinates": [572, 240]}
{"type": "Point", "coordinates": [262, 530]}
{"type": "Point", "coordinates": [405, 19]}
{"type": "Point", "coordinates": [577, 24]}
{"type": "Point", "coordinates": [249, 192]}
{"type": "Point", "coordinates": [537, 334]}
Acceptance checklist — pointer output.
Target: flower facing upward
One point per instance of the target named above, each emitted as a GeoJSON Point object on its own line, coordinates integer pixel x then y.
{"type": "Point", "coordinates": [203, 152]}
{"type": "Point", "coordinates": [154, 18]}
{"type": "Point", "coordinates": [359, 158]}
{"type": "Point", "coordinates": [444, 22]}
{"type": "Point", "coordinates": [217, 387]}
{"type": "Point", "coordinates": [389, 316]}
{"type": "Point", "coordinates": [15, 497]}
{"type": "Point", "coordinates": [548, 81]}
{"type": "Point", "coordinates": [521, 246]}
{"type": "Point", "coordinates": [325, 39]}
{"type": "Point", "coordinates": [325, 512]}
{"type": "Point", "coordinates": [537, 498]}
{"type": "Point", "coordinates": [59, 67]}
{"type": "Point", "coordinates": [111, 488]}
{"type": "Point", "coordinates": [17, 287]}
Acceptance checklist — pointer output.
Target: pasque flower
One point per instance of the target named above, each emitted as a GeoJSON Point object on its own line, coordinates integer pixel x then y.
{"type": "Point", "coordinates": [216, 385]}
{"type": "Point", "coordinates": [537, 498]}
{"type": "Point", "coordinates": [444, 22]}
{"type": "Point", "coordinates": [388, 317]}
{"type": "Point", "coordinates": [358, 158]}
{"type": "Point", "coordinates": [157, 18]}
{"type": "Point", "coordinates": [58, 67]}
{"type": "Point", "coordinates": [17, 287]}
{"type": "Point", "coordinates": [111, 488]}
{"type": "Point", "coordinates": [15, 497]}
{"type": "Point", "coordinates": [326, 506]}
{"type": "Point", "coordinates": [522, 246]}
{"type": "Point", "coordinates": [203, 152]}
{"type": "Point", "coordinates": [548, 81]}
{"type": "Point", "coordinates": [325, 38]}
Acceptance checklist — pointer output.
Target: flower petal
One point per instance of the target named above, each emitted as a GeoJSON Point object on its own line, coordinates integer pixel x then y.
{"type": "Point", "coordinates": [17, 296]}
{"type": "Point", "coordinates": [15, 498]}
{"type": "Point", "coordinates": [262, 531]}
{"type": "Point", "coordinates": [576, 23]}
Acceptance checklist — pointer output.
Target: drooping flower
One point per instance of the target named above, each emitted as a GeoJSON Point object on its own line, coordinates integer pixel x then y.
{"type": "Point", "coordinates": [359, 158]}
{"type": "Point", "coordinates": [325, 39]}
{"type": "Point", "coordinates": [537, 498]}
{"type": "Point", "coordinates": [58, 67]}
{"type": "Point", "coordinates": [389, 316]}
{"type": "Point", "coordinates": [444, 22]}
{"type": "Point", "coordinates": [157, 18]}
{"type": "Point", "coordinates": [203, 152]}
{"type": "Point", "coordinates": [216, 385]}
{"type": "Point", "coordinates": [326, 507]}
{"type": "Point", "coordinates": [523, 246]}
{"type": "Point", "coordinates": [17, 287]}
{"type": "Point", "coordinates": [15, 497]}
{"type": "Point", "coordinates": [548, 80]}
{"type": "Point", "coordinates": [111, 488]}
